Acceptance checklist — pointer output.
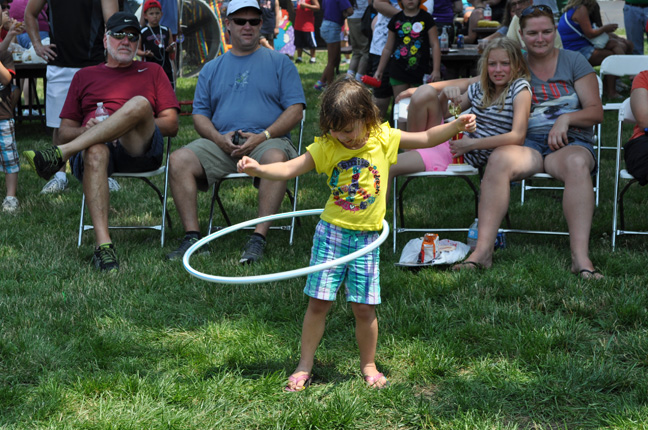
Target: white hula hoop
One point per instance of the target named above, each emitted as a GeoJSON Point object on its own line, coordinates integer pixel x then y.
{"type": "Point", "coordinates": [272, 277]}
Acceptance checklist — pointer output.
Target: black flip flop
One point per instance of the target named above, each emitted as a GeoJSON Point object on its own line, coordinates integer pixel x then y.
{"type": "Point", "coordinates": [591, 274]}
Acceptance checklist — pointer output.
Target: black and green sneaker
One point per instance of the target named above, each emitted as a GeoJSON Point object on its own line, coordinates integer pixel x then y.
{"type": "Point", "coordinates": [46, 162]}
{"type": "Point", "coordinates": [186, 243]}
{"type": "Point", "coordinates": [105, 258]}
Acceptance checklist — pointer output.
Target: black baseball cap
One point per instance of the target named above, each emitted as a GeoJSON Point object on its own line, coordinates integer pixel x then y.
{"type": "Point", "coordinates": [122, 20]}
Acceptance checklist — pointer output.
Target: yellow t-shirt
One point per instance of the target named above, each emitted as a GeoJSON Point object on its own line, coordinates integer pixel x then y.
{"type": "Point", "coordinates": [357, 178]}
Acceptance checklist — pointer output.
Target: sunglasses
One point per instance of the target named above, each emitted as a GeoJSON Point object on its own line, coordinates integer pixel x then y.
{"type": "Point", "coordinates": [242, 21]}
{"type": "Point", "coordinates": [132, 37]}
{"type": "Point", "coordinates": [540, 7]}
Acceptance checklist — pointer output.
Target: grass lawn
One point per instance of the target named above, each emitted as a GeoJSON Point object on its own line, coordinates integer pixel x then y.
{"type": "Point", "coordinates": [523, 345]}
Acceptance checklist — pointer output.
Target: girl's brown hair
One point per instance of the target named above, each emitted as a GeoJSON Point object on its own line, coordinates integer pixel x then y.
{"type": "Point", "coordinates": [519, 69]}
{"type": "Point", "coordinates": [344, 103]}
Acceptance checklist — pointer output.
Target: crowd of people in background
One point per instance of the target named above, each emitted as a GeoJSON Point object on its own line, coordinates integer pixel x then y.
{"type": "Point", "coordinates": [398, 43]}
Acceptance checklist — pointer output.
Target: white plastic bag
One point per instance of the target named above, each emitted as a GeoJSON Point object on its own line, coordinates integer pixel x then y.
{"type": "Point", "coordinates": [450, 252]}
{"type": "Point", "coordinates": [30, 56]}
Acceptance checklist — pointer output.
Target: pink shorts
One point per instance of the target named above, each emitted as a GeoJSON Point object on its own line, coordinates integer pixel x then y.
{"type": "Point", "coordinates": [436, 159]}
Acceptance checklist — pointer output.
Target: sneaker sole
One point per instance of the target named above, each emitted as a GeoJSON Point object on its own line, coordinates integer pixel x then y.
{"type": "Point", "coordinates": [98, 267]}
{"type": "Point", "coordinates": [50, 191]}
{"type": "Point", "coordinates": [29, 155]}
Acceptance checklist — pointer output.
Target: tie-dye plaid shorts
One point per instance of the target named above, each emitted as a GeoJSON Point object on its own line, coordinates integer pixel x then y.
{"type": "Point", "coordinates": [362, 275]}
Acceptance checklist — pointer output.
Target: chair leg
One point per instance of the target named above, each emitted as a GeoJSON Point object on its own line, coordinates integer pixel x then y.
{"type": "Point", "coordinates": [475, 192]}
{"type": "Point", "coordinates": [394, 206]}
{"type": "Point", "coordinates": [522, 189]}
{"type": "Point", "coordinates": [216, 199]}
{"type": "Point", "coordinates": [401, 212]}
{"type": "Point", "coordinates": [621, 211]}
{"type": "Point", "coordinates": [81, 229]}
{"type": "Point", "coordinates": [220, 204]}
{"type": "Point", "coordinates": [165, 213]}
{"type": "Point", "coordinates": [211, 211]}
{"type": "Point", "coordinates": [160, 196]}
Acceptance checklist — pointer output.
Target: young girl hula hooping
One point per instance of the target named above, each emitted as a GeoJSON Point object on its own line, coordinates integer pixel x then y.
{"type": "Point", "coordinates": [355, 152]}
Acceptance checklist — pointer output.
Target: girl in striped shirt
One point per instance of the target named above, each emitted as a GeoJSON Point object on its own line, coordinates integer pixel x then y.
{"type": "Point", "coordinates": [501, 100]}
{"type": "Point", "coordinates": [500, 97]}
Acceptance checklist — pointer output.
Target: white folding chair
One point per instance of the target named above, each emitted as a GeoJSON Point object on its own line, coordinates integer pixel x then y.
{"type": "Point", "coordinates": [292, 195]}
{"type": "Point", "coordinates": [620, 65]}
{"type": "Point", "coordinates": [400, 117]}
{"type": "Point", "coordinates": [527, 184]}
{"type": "Point", "coordinates": [144, 176]}
{"type": "Point", "coordinates": [618, 215]}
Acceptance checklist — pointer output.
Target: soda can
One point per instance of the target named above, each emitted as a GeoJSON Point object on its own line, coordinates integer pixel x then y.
{"type": "Point", "coordinates": [460, 41]}
{"type": "Point", "coordinates": [500, 240]}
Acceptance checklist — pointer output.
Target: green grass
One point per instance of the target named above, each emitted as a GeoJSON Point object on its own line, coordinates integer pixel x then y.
{"type": "Point", "coordinates": [523, 345]}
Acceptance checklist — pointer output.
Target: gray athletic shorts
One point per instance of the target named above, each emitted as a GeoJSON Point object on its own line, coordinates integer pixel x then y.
{"type": "Point", "coordinates": [217, 163]}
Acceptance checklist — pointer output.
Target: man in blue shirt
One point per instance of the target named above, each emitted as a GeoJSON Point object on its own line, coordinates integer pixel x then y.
{"type": "Point", "coordinates": [246, 102]}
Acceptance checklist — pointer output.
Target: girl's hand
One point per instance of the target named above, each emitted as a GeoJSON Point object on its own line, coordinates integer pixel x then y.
{"type": "Point", "coordinates": [452, 94]}
{"type": "Point", "coordinates": [466, 123]}
{"type": "Point", "coordinates": [435, 77]}
{"type": "Point", "coordinates": [461, 146]}
{"type": "Point", "coordinates": [557, 137]}
{"type": "Point", "coordinates": [378, 75]}
{"type": "Point", "coordinates": [610, 28]}
{"type": "Point", "coordinates": [247, 165]}
{"type": "Point", "coordinates": [17, 27]}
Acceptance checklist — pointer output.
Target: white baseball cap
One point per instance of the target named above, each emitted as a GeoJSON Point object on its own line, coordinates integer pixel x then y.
{"type": "Point", "coordinates": [236, 5]}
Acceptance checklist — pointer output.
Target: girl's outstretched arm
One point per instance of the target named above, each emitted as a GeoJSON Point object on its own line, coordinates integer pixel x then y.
{"type": "Point", "coordinates": [439, 134]}
{"type": "Point", "coordinates": [277, 171]}
{"type": "Point", "coordinates": [461, 83]}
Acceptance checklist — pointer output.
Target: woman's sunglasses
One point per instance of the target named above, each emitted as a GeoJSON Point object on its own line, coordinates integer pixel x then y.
{"type": "Point", "coordinates": [132, 37]}
{"type": "Point", "coordinates": [541, 7]}
{"type": "Point", "coordinates": [242, 21]}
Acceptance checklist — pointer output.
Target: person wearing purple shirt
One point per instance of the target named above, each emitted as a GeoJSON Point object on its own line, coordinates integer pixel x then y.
{"type": "Point", "coordinates": [17, 12]}
{"type": "Point", "coordinates": [444, 12]}
{"type": "Point", "coordinates": [334, 13]}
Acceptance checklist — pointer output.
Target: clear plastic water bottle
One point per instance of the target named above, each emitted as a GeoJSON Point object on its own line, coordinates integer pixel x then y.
{"type": "Point", "coordinates": [101, 113]}
{"type": "Point", "coordinates": [488, 13]}
{"type": "Point", "coordinates": [444, 41]}
{"type": "Point", "coordinates": [472, 235]}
